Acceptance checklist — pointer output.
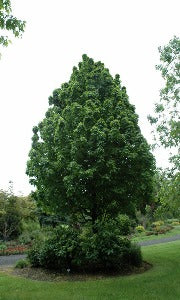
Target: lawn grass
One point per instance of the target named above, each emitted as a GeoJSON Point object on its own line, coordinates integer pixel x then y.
{"type": "Point", "coordinates": [143, 237]}
{"type": "Point", "coordinates": [159, 283]}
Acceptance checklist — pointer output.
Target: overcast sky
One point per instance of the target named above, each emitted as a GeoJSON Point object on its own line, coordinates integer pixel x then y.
{"type": "Point", "coordinates": [124, 34]}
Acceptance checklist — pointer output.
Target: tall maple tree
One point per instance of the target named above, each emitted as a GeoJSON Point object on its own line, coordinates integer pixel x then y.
{"type": "Point", "coordinates": [88, 155]}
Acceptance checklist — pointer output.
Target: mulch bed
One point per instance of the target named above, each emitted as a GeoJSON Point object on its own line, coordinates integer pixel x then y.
{"type": "Point", "coordinates": [46, 275]}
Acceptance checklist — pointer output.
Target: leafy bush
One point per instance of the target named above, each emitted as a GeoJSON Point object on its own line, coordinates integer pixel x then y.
{"type": "Point", "coordinates": [27, 237]}
{"type": "Point", "coordinates": [140, 228]}
{"type": "Point", "coordinates": [105, 249]}
{"type": "Point", "coordinates": [134, 255]}
{"type": "Point", "coordinates": [176, 223]}
{"type": "Point", "coordinates": [61, 249]}
{"type": "Point", "coordinates": [157, 223]}
{"type": "Point", "coordinates": [148, 233]}
{"type": "Point", "coordinates": [34, 253]}
{"type": "Point", "coordinates": [56, 252]}
{"type": "Point", "coordinates": [3, 246]}
{"type": "Point", "coordinates": [161, 229]}
{"type": "Point", "coordinates": [23, 263]}
{"type": "Point", "coordinates": [170, 221]}
{"type": "Point", "coordinates": [124, 224]}
{"type": "Point", "coordinates": [142, 219]}
{"type": "Point", "coordinates": [98, 248]}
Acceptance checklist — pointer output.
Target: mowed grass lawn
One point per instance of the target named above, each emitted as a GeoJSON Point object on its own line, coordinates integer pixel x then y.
{"type": "Point", "coordinates": [160, 282]}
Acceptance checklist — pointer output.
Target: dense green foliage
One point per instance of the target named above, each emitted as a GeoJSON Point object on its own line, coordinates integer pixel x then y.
{"type": "Point", "coordinates": [167, 125]}
{"type": "Point", "coordinates": [124, 224]}
{"type": "Point", "coordinates": [83, 250]}
{"type": "Point", "coordinates": [88, 157]}
{"type": "Point", "coordinates": [9, 23]}
{"type": "Point", "coordinates": [167, 194]}
{"type": "Point", "coordinates": [15, 214]}
{"type": "Point", "coordinates": [10, 217]}
{"type": "Point", "coordinates": [160, 282]}
{"type": "Point", "coordinates": [22, 264]}
{"type": "Point", "coordinates": [166, 119]}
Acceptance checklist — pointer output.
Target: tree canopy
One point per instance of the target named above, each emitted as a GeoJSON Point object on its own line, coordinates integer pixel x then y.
{"type": "Point", "coordinates": [167, 110]}
{"type": "Point", "coordinates": [88, 156]}
{"type": "Point", "coordinates": [9, 23]}
{"type": "Point", "coordinates": [168, 192]}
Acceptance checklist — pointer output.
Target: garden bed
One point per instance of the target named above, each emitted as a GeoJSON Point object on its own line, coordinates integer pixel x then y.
{"type": "Point", "coordinates": [12, 249]}
{"type": "Point", "coordinates": [138, 237]}
{"type": "Point", "coordinates": [47, 275]}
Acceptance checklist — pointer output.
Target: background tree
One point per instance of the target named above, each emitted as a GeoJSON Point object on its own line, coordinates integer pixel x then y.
{"type": "Point", "coordinates": [10, 216]}
{"type": "Point", "coordinates": [166, 119]}
{"type": "Point", "coordinates": [15, 214]}
{"type": "Point", "coordinates": [88, 155]}
{"type": "Point", "coordinates": [167, 125]}
{"type": "Point", "coordinates": [9, 23]}
{"type": "Point", "coordinates": [167, 194]}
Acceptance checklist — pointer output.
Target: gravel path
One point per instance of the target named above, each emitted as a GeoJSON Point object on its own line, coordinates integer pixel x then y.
{"type": "Point", "coordinates": [10, 260]}
{"type": "Point", "coordinates": [160, 241]}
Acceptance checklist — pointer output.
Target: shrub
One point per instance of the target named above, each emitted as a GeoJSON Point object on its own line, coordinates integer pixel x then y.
{"type": "Point", "coordinates": [157, 223]}
{"type": "Point", "coordinates": [142, 219]}
{"type": "Point", "coordinates": [34, 254]}
{"type": "Point", "coordinates": [170, 221]}
{"type": "Point", "coordinates": [3, 246]}
{"type": "Point", "coordinates": [60, 250]}
{"type": "Point", "coordinates": [148, 233]}
{"type": "Point", "coordinates": [162, 229]}
{"type": "Point", "coordinates": [23, 263]}
{"type": "Point", "coordinates": [101, 248]}
{"type": "Point", "coordinates": [176, 223]}
{"type": "Point", "coordinates": [124, 224]}
{"type": "Point", "coordinates": [134, 255]}
{"type": "Point", "coordinates": [105, 249]}
{"type": "Point", "coordinates": [169, 227]}
{"type": "Point", "coordinates": [27, 237]}
{"type": "Point", "coordinates": [140, 228]}
{"type": "Point", "coordinates": [56, 252]}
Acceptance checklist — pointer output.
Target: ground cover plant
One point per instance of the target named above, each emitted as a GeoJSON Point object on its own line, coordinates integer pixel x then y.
{"type": "Point", "coordinates": [160, 282]}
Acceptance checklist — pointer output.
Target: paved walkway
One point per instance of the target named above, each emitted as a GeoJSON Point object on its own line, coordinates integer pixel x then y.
{"type": "Point", "coordinates": [10, 260]}
{"type": "Point", "coordinates": [160, 241]}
